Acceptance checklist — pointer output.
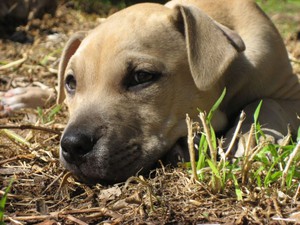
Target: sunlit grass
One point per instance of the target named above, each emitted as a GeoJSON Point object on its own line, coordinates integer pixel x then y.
{"type": "Point", "coordinates": [267, 165]}
{"type": "Point", "coordinates": [283, 13]}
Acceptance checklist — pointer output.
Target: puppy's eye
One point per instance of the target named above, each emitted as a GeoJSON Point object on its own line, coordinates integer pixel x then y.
{"type": "Point", "coordinates": [142, 77]}
{"type": "Point", "coordinates": [70, 84]}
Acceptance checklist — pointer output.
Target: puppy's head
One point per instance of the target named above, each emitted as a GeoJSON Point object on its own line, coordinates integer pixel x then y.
{"type": "Point", "coordinates": [129, 83]}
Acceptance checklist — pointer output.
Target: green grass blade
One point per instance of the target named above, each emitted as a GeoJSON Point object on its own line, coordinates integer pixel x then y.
{"type": "Point", "coordinates": [257, 175]}
{"type": "Point", "coordinates": [216, 179]}
{"type": "Point", "coordinates": [257, 111]}
{"type": "Point", "coordinates": [45, 60]}
{"type": "Point", "coordinates": [213, 137]}
{"type": "Point", "coordinates": [3, 202]}
{"type": "Point", "coordinates": [271, 174]}
{"type": "Point", "coordinates": [15, 137]}
{"type": "Point", "coordinates": [262, 157]}
{"type": "Point", "coordinates": [238, 191]}
{"type": "Point", "coordinates": [203, 146]}
{"type": "Point", "coordinates": [53, 112]}
{"type": "Point", "coordinates": [40, 114]}
{"type": "Point", "coordinates": [216, 105]}
{"type": "Point", "coordinates": [213, 168]}
{"type": "Point", "coordinates": [290, 176]}
{"type": "Point", "coordinates": [258, 131]}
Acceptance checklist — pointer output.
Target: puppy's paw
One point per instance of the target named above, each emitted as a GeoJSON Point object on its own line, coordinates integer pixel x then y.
{"type": "Point", "coordinates": [247, 141]}
{"type": "Point", "coordinates": [28, 97]}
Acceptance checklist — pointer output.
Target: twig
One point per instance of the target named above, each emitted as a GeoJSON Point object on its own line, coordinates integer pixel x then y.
{"type": "Point", "coordinates": [284, 219]}
{"type": "Point", "coordinates": [216, 179]}
{"type": "Point", "coordinates": [15, 137]}
{"type": "Point", "coordinates": [55, 215]}
{"type": "Point", "coordinates": [288, 164]}
{"type": "Point", "coordinates": [247, 157]}
{"type": "Point", "coordinates": [103, 210]}
{"type": "Point", "coordinates": [30, 126]}
{"type": "Point", "coordinates": [63, 182]}
{"type": "Point", "coordinates": [12, 64]}
{"type": "Point", "coordinates": [9, 196]}
{"type": "Point", "coordinates": [149, 191]}
{"type": "Point", "coordinates": [77, 221]}
{"type": "Point", "coordinates": [286, 140]}
{"type": "Point", "coordinates": [294, 60]}
{"type": "Point", "coordinates": [296, 194]}
{"type": "Point", "coordinates": [28, 156]}
{"type": "Point", "coordinates": [276, 206]}
{"type": "Point", "coordinates": [14, 221]}
{"type": "Point", "coordinates": [34, 217]}
{"type": "Point", "coordinates": [190, 141]}
{"type": "Point", "coordinates": [148, 186]}
{"type": "Point", "coordinates": [213, 151]}
{"type": "Point", "coordinates": [60, 175]}
{"type": "Point", "coordinates": [234, 137]}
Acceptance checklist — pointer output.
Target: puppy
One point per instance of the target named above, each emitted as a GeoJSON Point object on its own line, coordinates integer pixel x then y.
{"type": "Point", "coordinates": [129, 83]}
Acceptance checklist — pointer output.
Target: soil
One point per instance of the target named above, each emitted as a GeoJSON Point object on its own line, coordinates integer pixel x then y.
{"type": "Point", "coordinates": [44, 193]}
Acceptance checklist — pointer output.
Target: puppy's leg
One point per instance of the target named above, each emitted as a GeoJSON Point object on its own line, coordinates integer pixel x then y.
{"type": "Point", "coordinates": [275, 118]}
{"type": "Point", "coordinates": [28, 97]}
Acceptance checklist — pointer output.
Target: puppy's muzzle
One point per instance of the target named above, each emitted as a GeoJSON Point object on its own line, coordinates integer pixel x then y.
{"type": "Point", "coordinates": [99, 153]}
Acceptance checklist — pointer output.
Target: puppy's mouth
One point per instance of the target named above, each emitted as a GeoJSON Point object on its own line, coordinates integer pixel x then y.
{"type": "Point", "coordinates": [106, 166]}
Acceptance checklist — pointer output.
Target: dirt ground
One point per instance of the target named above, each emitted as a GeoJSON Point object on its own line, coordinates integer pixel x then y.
{"type": "Point", "coordinates": [44, 193]}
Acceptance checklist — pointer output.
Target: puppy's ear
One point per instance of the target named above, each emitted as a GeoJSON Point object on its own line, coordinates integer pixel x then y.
{"type": "Point", "coordinates": [211, 47]}
{"type": "Point", "coordinates": [69, 50]}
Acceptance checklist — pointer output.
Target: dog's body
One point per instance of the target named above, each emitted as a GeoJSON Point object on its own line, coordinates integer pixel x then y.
{"type": "Point", "coordinates": [130, 82]}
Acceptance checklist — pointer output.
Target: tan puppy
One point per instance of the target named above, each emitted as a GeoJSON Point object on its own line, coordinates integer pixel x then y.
{"type": "Point", "coordinates": [130, 82]}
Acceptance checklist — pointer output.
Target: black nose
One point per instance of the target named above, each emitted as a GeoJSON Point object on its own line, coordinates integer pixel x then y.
{"type": "Point", "coordinates": [75, 144]}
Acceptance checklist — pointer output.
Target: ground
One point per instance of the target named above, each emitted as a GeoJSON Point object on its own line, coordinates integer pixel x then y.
{"type": "Point", "coordinates": [44, 193]}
